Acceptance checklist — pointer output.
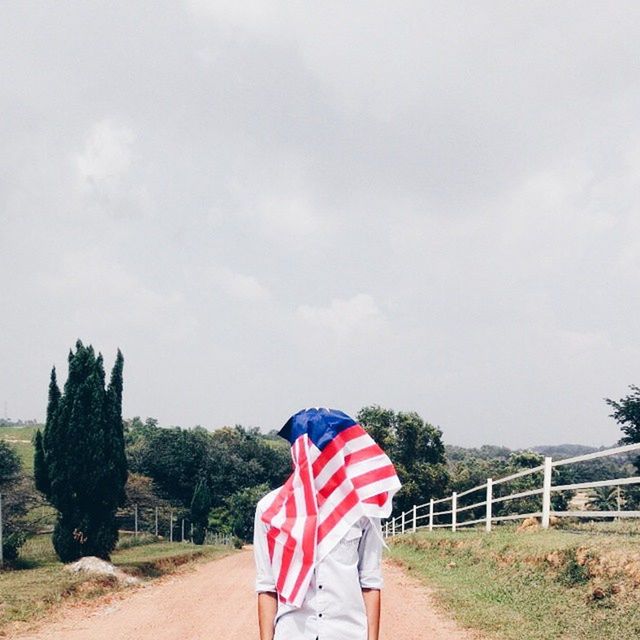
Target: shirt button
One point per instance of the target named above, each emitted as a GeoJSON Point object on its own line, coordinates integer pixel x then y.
{"type": "Point", "coordinates": [319, 615]}
{"type": "Point", "coordinates": [319, 586]}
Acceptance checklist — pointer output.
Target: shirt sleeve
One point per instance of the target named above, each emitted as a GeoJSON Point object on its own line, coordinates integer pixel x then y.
{"type": "Point", "coordinates": [264, 573]}
{"type": "Point", "coordinates": [370, 555]}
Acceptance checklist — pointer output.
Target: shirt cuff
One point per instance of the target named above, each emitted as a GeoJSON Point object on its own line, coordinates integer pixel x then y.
{"type": "Point", "coordinates": [264, 583]}
{"type": "Point", "coordinates": [371, 580]}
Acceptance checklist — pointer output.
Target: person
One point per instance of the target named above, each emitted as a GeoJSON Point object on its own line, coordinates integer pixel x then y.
{"type": "Point", "coordinates": [317, 538]}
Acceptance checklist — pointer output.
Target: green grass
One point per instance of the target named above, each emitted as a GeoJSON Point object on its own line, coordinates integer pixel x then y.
{"type": "Point", "coordinates": [542, 585]}
{"type": "Point", "coordinates": [20, 438]}
{"type": "Point", "coordinates": [40, 583]}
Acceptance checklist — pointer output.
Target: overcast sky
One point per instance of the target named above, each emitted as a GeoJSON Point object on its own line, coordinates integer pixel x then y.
{"type": "Point", "coordinates": [432, 206]}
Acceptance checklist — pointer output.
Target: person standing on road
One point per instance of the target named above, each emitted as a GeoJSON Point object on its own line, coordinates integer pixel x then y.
{"type": "Point", "coordinates": [317, 538]}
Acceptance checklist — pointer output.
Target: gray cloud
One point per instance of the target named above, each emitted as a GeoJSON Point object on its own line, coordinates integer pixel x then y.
{"type": "Point", "coordinates": [431, 206]}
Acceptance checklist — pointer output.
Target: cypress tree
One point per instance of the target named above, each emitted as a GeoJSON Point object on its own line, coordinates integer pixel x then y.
{"type": "Point", "coordinates": [200, 506]}
{"type": "Point", "coordinates": [81, 460]}
{"type": "Point", "coordinates": [40, 472]}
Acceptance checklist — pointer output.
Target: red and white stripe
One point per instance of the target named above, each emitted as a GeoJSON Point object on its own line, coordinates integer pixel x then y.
{"type": "Point", "coordinates": [327, 492]}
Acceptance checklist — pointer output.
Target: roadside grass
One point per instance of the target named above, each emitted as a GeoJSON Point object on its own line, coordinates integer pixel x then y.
{"type": "Point", "coordinates": [39, 583]}
{"type": "Point", "coordinates": [540, 585]}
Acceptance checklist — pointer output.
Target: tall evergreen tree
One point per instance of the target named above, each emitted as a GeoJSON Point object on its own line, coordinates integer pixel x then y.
{"type": "Point", "coordinates": [40, 472]}
{"type": "Point", "coordinates": [200, 507]}
{"type": "Point", "coordinates": [80, 461]}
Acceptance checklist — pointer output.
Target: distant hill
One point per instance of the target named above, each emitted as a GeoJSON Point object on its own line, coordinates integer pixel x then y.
{"type": "Point", "coordinates": [496, 452]}
{"type": "Point", "coordinates": [567, 450]}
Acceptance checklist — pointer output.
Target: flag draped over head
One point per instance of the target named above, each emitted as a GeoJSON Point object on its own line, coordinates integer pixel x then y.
{"type": "Point", "coordinates": [340, 474]}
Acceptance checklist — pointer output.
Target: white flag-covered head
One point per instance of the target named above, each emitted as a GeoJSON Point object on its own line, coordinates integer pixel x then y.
{"type": "Point", "coordinates": [340, 474]}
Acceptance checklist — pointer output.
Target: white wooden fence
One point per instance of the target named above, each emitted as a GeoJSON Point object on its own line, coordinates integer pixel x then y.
{"type": "Point", "coordinates": [424, 516]}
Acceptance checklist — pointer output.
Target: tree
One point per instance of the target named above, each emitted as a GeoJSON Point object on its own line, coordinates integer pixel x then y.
{"type": "Point", "coordinates": [18, 499]}
{"type": "Point", "coordinates": [242, 508]}
{"type": "Point", "coordinates": [9, 463]}
{"type": "Point", "coordinates": [416, 449]}
{"type": "Point", "coordinates": [200, 507]}
{"type": "Point", "coordinates": [626, 412]}
{"type": "Point", "coordinates": [604, 499]}
{"type": "Point", "coordinates": [80, 459]}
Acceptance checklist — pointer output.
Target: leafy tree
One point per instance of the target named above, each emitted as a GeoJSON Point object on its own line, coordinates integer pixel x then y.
{"type": "Point", "coordinates": [80, 459]}
{"type": "Point", "coordinates": [9, 463]}
{"type": "Point", "coordinates": [604, 499]}
{"type": "Point", "coordinates": [242, 507]}
{"type": "Point", "coordinates": [18, 499]}
{"type": "Point", "coordinates": [380, 424]}
{"type": "Point", "coordinates": [232, 459]}
{"type": "Point", "coordinates": [200, 507]}
{"type": "Point", "coordinates": [416, 449]}
{"type": "Point", "coordinates": [626, 412]}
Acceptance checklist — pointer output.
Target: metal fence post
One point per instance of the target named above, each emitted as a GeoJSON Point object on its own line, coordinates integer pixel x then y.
{"type": "Point", "coordinates": [487, 525]}
{"type": "Point", "coordinates": [156, 522]}
{"type": "Point", "coordinates": [546, 493]}
{"type": "Point", "coordinates": [454, 507]}
{"type": "Point", "coordinates": [415, 511]}
{"type": "Point", "coordinates": [135, 520]}
{"type": "Point", "coordinates": [402, 522]}
{"type": "Point", "coordinates": [431, 514]}
{"type": "Point", "coordinates": [171, 526]}
{"type": "Point", "coordinates": [393, 527]}
{"type": "Point", "coordinates": [182, 530]}
{"type": "Point", "coordinates": [192, 533]}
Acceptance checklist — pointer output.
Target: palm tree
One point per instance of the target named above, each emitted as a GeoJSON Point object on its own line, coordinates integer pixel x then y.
{"type": "Point", "coordinates": [604, 499]}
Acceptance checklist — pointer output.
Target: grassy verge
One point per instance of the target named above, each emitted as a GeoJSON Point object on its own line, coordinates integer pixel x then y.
{"type": "Point", "coordinates": [40, 583]}
{"type": "Point", "coordinates": [542, 585]}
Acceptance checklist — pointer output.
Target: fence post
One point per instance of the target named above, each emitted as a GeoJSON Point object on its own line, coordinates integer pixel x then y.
{"type": "Point", "coordinates": [1, 554]}
{"type": "Point", "coordinates": [182, 530]}
{"type": "Point", "coordinates": [171, 525]}
{"type": "Point", "coordinates": [415, 511]}
{"type": "Point", "coordinates": [431, 514]}
{"type": "Point", "coordinates": [135, 520]}
{"type": "Point", "coordinates": [156, 522]}
{"type": "Point", "coordinates": [546, 493]}
{"type": "Point", "coordinates": [487, 525]}
{"type": "Point", "coordinates": [393, 527]}
{"type": "Point", "coordinates": [454, 507]}
{"type": "Point", "coordinates": [402, 522]}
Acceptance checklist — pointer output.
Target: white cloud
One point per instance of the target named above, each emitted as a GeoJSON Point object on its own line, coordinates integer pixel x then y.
{"type": "Point", "coordinates": [240, 286]}
{"type": "Point", "coordinates": [345, 318]}
{"type": "Point", "coordinates": [289, 216]}
{"type": "Point", "coordinates": [107, 153]}
{"type": "Point", "coordinates": [103, 294]}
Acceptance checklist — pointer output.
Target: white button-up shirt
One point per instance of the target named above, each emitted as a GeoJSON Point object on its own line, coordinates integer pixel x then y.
{"type": "Point", "coordinates": [333, 608]}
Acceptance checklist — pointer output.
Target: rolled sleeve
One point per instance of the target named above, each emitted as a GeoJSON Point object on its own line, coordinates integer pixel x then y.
{"type": "Point", "coordinates": [370, 555]}
{"type": "Point", "coordinates": [264, 573]}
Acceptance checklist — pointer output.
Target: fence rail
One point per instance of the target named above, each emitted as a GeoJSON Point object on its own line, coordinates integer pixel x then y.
{"type": "Point", "coordinates": [414, 519]}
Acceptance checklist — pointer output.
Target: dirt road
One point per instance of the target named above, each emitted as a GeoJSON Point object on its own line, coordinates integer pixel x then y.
{"type": "Point", "coordinates": [215, 601]}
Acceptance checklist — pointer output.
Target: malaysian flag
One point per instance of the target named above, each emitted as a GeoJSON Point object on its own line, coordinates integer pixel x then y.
{"type": "Point", "coordinates": [340, 474]}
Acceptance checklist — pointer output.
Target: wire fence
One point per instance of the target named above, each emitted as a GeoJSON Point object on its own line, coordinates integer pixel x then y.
{"type": "Point", "coordinates": [136, 524]}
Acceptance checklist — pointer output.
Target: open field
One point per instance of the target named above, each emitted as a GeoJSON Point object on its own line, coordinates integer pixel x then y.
{"type": "Point", "coordinates": [40, 583]}
{"type": "Point", "coordinates": [581, 584]}
{"type": "Point", "coordinates": [21, 439]}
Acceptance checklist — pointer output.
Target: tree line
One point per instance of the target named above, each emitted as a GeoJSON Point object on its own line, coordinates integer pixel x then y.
{"type": "Point", "coordinates": [89, 462]}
